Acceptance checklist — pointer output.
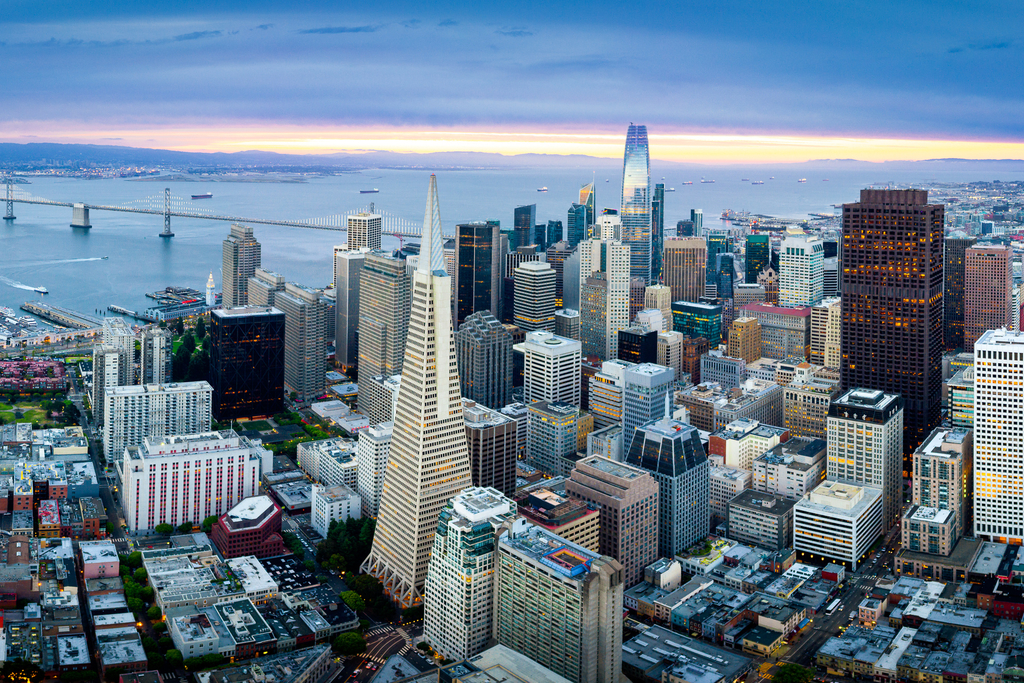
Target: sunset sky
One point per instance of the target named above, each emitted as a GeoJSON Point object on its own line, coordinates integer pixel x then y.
{"type": "Point", "coordinates": [714, 81]}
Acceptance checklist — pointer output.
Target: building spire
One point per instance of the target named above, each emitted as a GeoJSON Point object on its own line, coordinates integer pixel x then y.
{"type": "Point", "coordinates": [431, 250]}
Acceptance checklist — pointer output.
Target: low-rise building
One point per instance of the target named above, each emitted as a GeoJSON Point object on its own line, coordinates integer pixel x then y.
{"type": "Point", "coordinates": [742, 440]}
{"type": "Point", "coordinates": [725, 483]}
{"type": "Point", "coordinates": [99, 559]}
{"type": "Point", "coordinates": [838, 522]}
{"type": "Point", "coordinates": [791, 468]}
{"type": "Point", "coordinates": [258, 585]}
{"type": "Point", "coordinates": [659, 655]}
{"type": "Point", "coordinates": [566, 517]}
{"type": "Point", "coordinates": [764, 520]}
{"type": "Point", "coordinates": [121, 648]}
{"type": "Point", "coordinates": [308, 665]}
{"type": "Point", "coordinates": [253, 527]}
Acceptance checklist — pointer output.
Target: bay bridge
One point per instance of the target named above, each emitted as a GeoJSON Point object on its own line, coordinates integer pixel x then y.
{"type": "Point", "coordinates": [168, 205]}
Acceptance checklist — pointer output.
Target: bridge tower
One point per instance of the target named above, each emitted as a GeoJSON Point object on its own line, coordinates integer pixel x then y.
{"type": "Point", "coordinates": [9, 216]}
{"type": "Point", "coordinates": [167, 214]}
{"type": "Point", "coordinates": [80, 216]}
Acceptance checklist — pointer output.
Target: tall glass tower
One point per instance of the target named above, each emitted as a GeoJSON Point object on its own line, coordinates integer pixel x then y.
{"type": "Point", "coordinates": [587, 199]}
{"type": "Point", "coordinates": [636, 202]}
{"type": "Point", "coordinates": [657, 230]}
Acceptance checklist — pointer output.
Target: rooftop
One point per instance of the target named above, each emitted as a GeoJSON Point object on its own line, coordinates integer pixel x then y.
{"type": "Point", "coordinates": [659, 650]}
{"type": "Point", "coordinates": [287, 667]}
{"type": "Point", "coordinates": [119, 646]}
{"type": "Point", "coordinates": [252, 574]}
{"type": "Point", "coordinates": [611, 467]}
{"type": "Point", "coordinates": [545, 548]}
{"type": "Point", "coordinates": [841, 498]}
{"type": "Point", "coordinates": [72, 650]}
{"type": "Point", "coordinates": [477, 504]}
{"type": "Point", "coordinates": [764, 503]}
{"type": "Point", "coordinates": [98, 551]}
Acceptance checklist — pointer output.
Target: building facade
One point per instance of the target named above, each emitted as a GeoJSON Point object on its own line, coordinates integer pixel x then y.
{"type": "Point", "coordinates": [953, 283]}
{"type": "Point", "coordinates": [154, 410]}
{"type": "Point", "coordinates": [247, 362]}
{"type": "Point", "coordinates": [372, 450]}
{"type": "Point", "coordinates": [988, 291]}
{"type": "Point", "coordinates": [534, 296]}
{"type": "Point", "coordinates": [383, 314]}
{"type": "Point", "coordinates": [252, 527]}
{"type": "Point", "coordinates": [484, 349]}
{"type": "Point", "coordinates": [551, 368]}
{"type": "Point", "coordinates": [305, 341]}
{"type": "Point", "coordinates": [492, 441]}
{"type": "Point", "coordinates": [801, 273]}
{"type": "Point", "coordinates": [240, 259]}
{"type": "Point", "coordinates": [635, 208]}
{"type": "Point", "coordinates": [684, 263]}
{"type": "Point", "coordinates": [837, 522]}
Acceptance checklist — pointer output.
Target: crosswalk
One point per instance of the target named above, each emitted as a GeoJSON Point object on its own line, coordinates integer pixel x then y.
{"type": "Point", "coordinates": [121, 539]}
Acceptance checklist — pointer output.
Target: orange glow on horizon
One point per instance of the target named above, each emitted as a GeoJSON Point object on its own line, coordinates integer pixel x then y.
{"type": "Point", "coordinates": [698, 148]}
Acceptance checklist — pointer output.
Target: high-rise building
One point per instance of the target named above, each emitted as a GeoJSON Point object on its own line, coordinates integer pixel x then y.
{"type": "Point", "coordinates": [763, 520]}
{"type": "Point", "coordinates": [378, 397]}
{"type": "Point", "coordinates": [589, 201]}
{"type": "Point", "coordinates": [594, 315]}
{"type": "Point", "coordinates": [636, 202]}
{"type": "Point", "coordinates": [348, 267]}
{"type": "Point", "coordinates": [372, 451]}
{"type": "Point", "coordinates": [999, 436]}
{"type": "Point", "coordinates": [484, 349]}
{"type": "Point", "coordinates": [865, 445]}
{"type": "Point", "coordinates": [880, 350]}
{"type": "Point", "coordinates": [581, 639]}
{"type": "Point", "coordinates": [698, 320]}
{"type": "Point", "coordinates": [647, 388]}
{"type": "Point", "coordinates": [745, 339]}
{"type": "Point", "coordinates": [535, 296]}
{"type": "Point", "coordinates": [768, 279]}
{"type": "Point", "coordinates": [724, 484]}
{"type": "Point", "coordinates": [478, 269]}
{"type": "Point", "coordinates": [627, 498]}
{"type": "Point", "coordinates": [332, 503]}
{"type": "Point", "coordinates": [638, 344]}
{"type": "Point", "coordinates": [553, 435]}
{"type": "Point", "coordinates": [825, 318]}
{"type": "Point", "coordinates": [264, 286]}
{"type": "Point", "coordinates": [460, 577]}
{"type": "Point", "coordinates": [717, 243]}
{"type": "Point", "coordinates": [568, 518]}
{"type": "Point", "coordinates": [838, 521]}
{"type": "Point", "coordinates": [606, 396]}
{"type": "Point", "coordinates": [738, 443]}
{"type": "Point", "coordinates": [830, 277]}
{"type": "Point", "coordinates": [684, 266]}
{"type": "Point", "coordinates": [567, 323]}
{"type": "Point", "coordinates": [697, 222]}
{"type": "Point", "coordinates": [651, 320]}
{"type": "Point", "coordinates": [939, 512]}
{"type": "Point", "coordinates": [785, 332]}
{"type": "Point", "coordinates": [792, 468]}
{"type": "Point", "coordinates": [305, 341]}
{"type": "Point", "coordinates": [156, 357]}
{"type": "Point", "coordinates": [961, 397]}
{"type": "Point", "coordinates": [429, 460]}
{"type": "Point", "coordinates": [660, 297]}
{"type": "Point", "coordinates": [657, 230]}
{"type": "Point", "coordinates": [577, 224]}
{"type": "Point", "coordinates": [247, 362]}
{"type": "Point", "coordinates": [557, 255]}
{"type": "Point", "coordinates": [672, 452]}
{"type": "Point", "coordinates": [551, 368]}
{"type": "Point", "coordinates": [801, 270]}
{"type": "Point", "coordinates": [954, 280]}
{"type": "Point", "coordinates": [492, 439]}
{"type": "Point", "coordinates": [670, 352]}
{"type": "Point", "coordinates": [554, 233]}
{"type": "Point", "coordinates": [383, 314]}
{"type": "Point", "coordinates": [637, 292]}
{"type": "Point", "coordinates": [722, 369]}
{"type": "Point", "coordinates": [988, 291]}
{"type": "Point", "coordinates": [240, 259]}
{"type": "Point", "coordinates": [523, 222]}
{"type": "Point", "coordinates": [571, 281]}
{"type": "Point", "coordinates": [758, 252]}
{"type": "Point", "coordinates": [226, 468]}
{"type": "Point", "coordinates": [364, 231]}
{"type": "Point", "coordinates": [743, 294]}
{"type": "Point", "coordinates": [111, 367]}
{"type": "Point", "coordinates": [805, 407]}
{"type": "Point", "coordinates": [684, 228]}
{"type": "Point", "coordinates": [601, 318]}
{"type": "Point", "coordinates": [153, 410]}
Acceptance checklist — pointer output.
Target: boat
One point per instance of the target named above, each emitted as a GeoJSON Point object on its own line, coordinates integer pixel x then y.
{"type": "Point", "coordinates": [542, 189]}
{"type": "Point", "coordinates": [687, 182]}
{"type": "Point", "coordinates": [606, 180]}
{"type": "Point", "coordinates": [802, 180]}
{"type": "Point", "coordinates": [41, 290]}
{"type": "Point", "coordinates": [757, 182]}
{"type": "Point", "coordinates": [824, 180]}
{"type": "Point", "coordinates": [744, 180]}
{"type": "Point", "coordinates": [205, 195]}
{"type": "Point", "coordinates": [706, 181]}
{"type": "Point", "coordinates": [670, 189]}
{"type": "Point", "coordinates": [772, 178]}
{"type": "Point", "coordinates": [105, 258]}
{"type": "Point", "coordinates": [373, 191]}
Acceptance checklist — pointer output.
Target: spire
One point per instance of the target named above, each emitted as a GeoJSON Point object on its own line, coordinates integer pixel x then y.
{"type": "Point", "coordinates": [431, 250]}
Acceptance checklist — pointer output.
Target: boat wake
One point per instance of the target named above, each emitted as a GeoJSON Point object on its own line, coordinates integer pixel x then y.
{"type": "Point", "coordinates": [17, 285]}
{"type": "Point", "coordinates": [65, 260]}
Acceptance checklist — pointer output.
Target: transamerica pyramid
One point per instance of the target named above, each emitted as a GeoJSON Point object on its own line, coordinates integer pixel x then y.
{"type": "Point", "coordinates": [429, 460]}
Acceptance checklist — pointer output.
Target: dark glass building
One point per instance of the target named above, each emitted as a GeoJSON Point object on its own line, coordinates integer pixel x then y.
{"type": "Point", "coordinates": [657, 230]}
{"type": "Point", "coordinates": [725, 267]}
{"type": "Point", "coordinates": [576, 224]}
{"type": "Point", "coordinates": [758, 255]}
{"type": "Point", "coordinates": [637, 345]}
{"type": "Point", "coordinates": [954, 277]}
{"type": "Point", "coordinates": [684, 229]}
{"type": "Point", "coordinates": [554, 233]}
{"type": "Point", "coordinates": [524, 220]}
{"type": "Point", "coordinates": [891, 336]}
{"type": "Point", "coordinates": [698, 320]}
{"type": "Point", "coordinates": [718, 243]}
{"type": "Point", "coordinates": [247, 362]}
{"type": "Point", "coordinates": [478, 264]}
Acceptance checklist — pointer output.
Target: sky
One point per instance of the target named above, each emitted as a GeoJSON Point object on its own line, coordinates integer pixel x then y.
{"type": "Point", "coordinates": [718, 81]}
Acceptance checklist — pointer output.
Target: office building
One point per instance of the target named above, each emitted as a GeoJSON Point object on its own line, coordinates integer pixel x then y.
{"type": "Point", "coordinates": [524, 218]}
{"type": "Point", "coordinates": [247, 362]}
{"type": "Point", "coordinates": [718, 243]}
{"type": "Point", "coordinates": [698, 320]}
{"type": "Point", "coordinates": [378, 397]}
{"type": "Point", "coordinates": [484, 350]}
{"type": "Point", "coordinates": [577, 226]}
{"type": "Point", "coordinates": [879, 350]}
{"type": "Point", "coordinates": [606, 396]}
{"type": "Point", "coordinates": [830, 277]}
{"type": "Point", "coordinates": [384, 299]}
{"type": "Point", "coordinates": [551, 368]}
{"type": "Point", "coordinates": [755, 399]}
{"type": "Point", "coordinates": [638, 344]}
{"type": "Point", "coordinates": [554, 234]}
{"type": "Point", "coordinates": [372, 451]}
{"type": "Point", "coordinates": [459, 605]}
{"type": "Point", "coordinates": [252, 528]}
{"type": "Point", "coordinates": [939, 514]}
{"type": "Point", "coordinates": [491, 438]}
{"type": "Point", "coordinates": [726, 371]}
{"type": "Point", "coordinates": [637, 289]}
{"type": "Point", "coordinates": [636, 202]}
{"type": "Point", "coordinates": [154, 410]}
{"type": "Point", "coordinates": [743, 294]}
{"type": "Point", "coordinates": [953, 284]}
{"type": "Point", "coordinates": [684, 264]}
{"type": "Point", "coordinates": [424, 472]}
{"type": "Point", "coordinates": [865, 445]}
{"type": "Point", "coordinates": [534, 296]}
{"type": "Point", "coordinates": [792, 468]}
{"type": "Point", "coordinates": [659, 296]}
{"type": "Point", "coordinates": [305, 341]}
{"type": "Point", "coordinates": [364, 231]}
{"type": "Point", "coordinates": [988, 291]}
{"type": "Point", "coordinates": [768, 280]}
{"type": "Point", "coordinates": [724, 276]}
{"type": "Point", "coordinates": [837, 522]}
{"type": "Point", "coordinates": [647, 388]}
{"type": "Point", "coordinates": [825, 319]}
{"type": "Point", "coordinates": [758, 255]}
{"type": "Point", "coordinates": [329, 461]}
{"type": "Point", "coordinates": [604, 295]}
{"type": "Point", "coordinates": [536, 570]}
{"type": "Point", "coordinates": [657, 230]}
{"type": "Point", "coordinates": [567, 518]}
{"type": "Point", "coordinates": [801, 270]}
{"type": "Point", "coordinates": [240, 259]}
{"type": "Point", "coordinates": [567, 323]}
{"type": "Point", "coordinates": [627, 499]}
{"type": "Point", "coordinates": [588, 199]}
{"type": "Point", "coordinates": [745, 339]}
{"type": "Point", "coordinates": [594, 315]}
{"type": "Point", "coordinates": [111, 367]}
{"type": "Point", "coordinates": [156, 358]}
{"type": "Point", "coordinates": [805, 407]}
{"type": "Point", "coordinates": [226, 469]}
{"type": "Point", "coordinates": [348, 268]}
{"type": "Point", "coordinates": [785, 332]}
{"type": "Point", "coordinates": [553, 435]}
{"type": "Point", "coordinates": [684, 228]}
{"type": "Point", "coordinates": [999, 436]}
{"type": "Point", "coordinates": [557, 256]}
{"type": "Point", "coordinates": [697, 222]}
{"type": "Point", "coordinates": [672, 452]}
{"type": "Point", "coordinates": [333, 503]}
{"type": "Point", "coordinates": [740, 442]}
{"type": "Point", "coordinates": [961, 398]}
{"type": "Point", "coordinates": [264, 286]}
{"type": "Point", "coordinates": [478, 269]}
{"type": "Point", "coordinates": [571, 281]}
{"type": "Point", "coordinates": [670, 352]}
{"type": "Point", "coordinates": [724, 484]}
{"type": "Point", "coordinates": [652, 320]}
{"type": "Point", "coordinates": [763, 520]}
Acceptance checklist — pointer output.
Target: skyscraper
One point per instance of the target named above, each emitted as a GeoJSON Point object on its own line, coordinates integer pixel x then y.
{"type": "Point", "coordinates": [657, 230]}
{"type": "Point", "coordinates": [524, 218]}
{"type": "Point", "coordinates": [988, 291]}
{"type": "Point", "coordinates": [558, 254]}
{"type": "Point", "coordinates": [660, 297]}
{"type": "Point", "coordinates": [535, 296]}
{"type": "Point", "coordinates": [348, 265]}
{"type": "Point", "coordinates": [110, 368]}
{"type": "Point", "coordinates": [879, 349]}
{"type": "Point", "coordinates": [647, 387]}
{"type": "Point", "coordinates": [364, 231]}
{"type": "Point", "coordinates": [429, 461]}
{"type": "Point", "coordinates": [156, 357]}
{"type": "Point", "coordinates": [264, 286]}
{"type": "Point", "coordinates": [484, 349]}
{"type": "Point", "coordinates": [683, 267]}
{"type": "Point", "coordinates": [717, 243]}
{"type": "Point", "coordinates": [478, 262]}
{"type": "Point", "coordinates": [554, 233]}
{"type": "Point", "coordinates": [241, 258]}
{"type": "Point", "coordinates": [577, 227]}
{"type": "Point", "coordinates": [305, 341]}
{"type": "Point", "coordinates": [697, 222]}
{"type": "Point", "coordinates": [383, 314]}
{"type": "Point", "coordinates": [758, 251]}
{"type": "Point", "coordinates": [551, 368]}
{"type": "Point", "coordinates": [636, 202]}
{"type": "Point", "coordinates": [605, 308]}
{"type": "Point", "coordinates": [954, 268]}
{"type": "Point", "coordinates": [372, 451]}
{"type": "Point", "coordinates": [247, 362]}
{"type": "Point", "coordinates": [493, 441]}
{"type": "Point", "coordinates": [801, 270]}
{"type": "Point", "coordinates": [589, 200]}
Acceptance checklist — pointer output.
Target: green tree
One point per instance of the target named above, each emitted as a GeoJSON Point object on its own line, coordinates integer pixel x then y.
{"type": "Point", "coordinates": [173, 659]}
{"type": "Point", "coordinates": [111, 528]}
{"type": "Point", "coordinates": [353, 600]}
{"type": "Point", "coordinates": [368, 587]}
{"type": "Point", "coordinates": [165, 643]}
{"type": "Point", "coordinates": [793, 673]}
{"type": "Point", "coordinates": [185, 527]}
{"type": "Point", "coordinates": [209, 522]}
{"type": "Point", "coordinates": [18, 670]}
{"type": "Point", "coordinates": [141, 575]}
{"type": "Point", "coordinates": [134, 559]}
{"type": "Point", "coordinates": [164, 529]}
{"type": "Point", "coordinates": [153, 613]}
{"type": "Point", "coordinates": [146, 593]}
{"type": "Point", "coordinates": [160, 626]}
{"type": "Point", "coordinates": [310, 566]}
{"type": "Point", "coordinates": [136, 606]}
{"type": "Point", "coordinates": [113, 674]}
{"type": "Point", "coordinates": [155, 659]}
{"type": "Point", "coordinates": [412, 613]}
{"type": "Point", "coordinates": [149, 645]}
{"type": "Point", "coordinates": [181, 360]}
{"type": "Point", "coordinates": [198, 367]}
{"type": "Point", "coordinates": [350, 643]}
{"type": "Point", "coordinates": [293, 543]}
{"type": "Point", "coordinates": [201, 328]}
{"type": "Point", "coordinates": [188, 342]}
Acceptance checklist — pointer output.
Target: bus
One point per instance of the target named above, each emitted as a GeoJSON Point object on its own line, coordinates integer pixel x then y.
{"type": "Point", "coordinates": [833, 607]}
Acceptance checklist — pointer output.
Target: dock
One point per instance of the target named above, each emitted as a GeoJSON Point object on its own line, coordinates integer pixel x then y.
{"type": "Point", "coordinates": [62, 316]}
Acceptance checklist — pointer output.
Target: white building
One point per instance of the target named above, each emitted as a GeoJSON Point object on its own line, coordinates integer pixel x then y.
{"type": "Point", "coordinates": [154, 410]}
{"type": "Point", "coordinates": [725, 483]}
{"type": "Point", "coordinates": [612, 258]}
{"type": "Point", "coordinates": [177, 479]}
{"type": "Point", "coordinates": [838, 522]}
{"type": "Point", "coordinates": [792, 468]}
{"type": "Point", "coordinates": [258, 584]}
{"type": "Point", "coordinates": [534, 296]}
{"type": "Point", "coordinates": [110, 368]}
{"type": "Point", "coordinates": [372, 452]}
{"type": "Point", "coordinates": [651, 319]}
{"type": "Point", "coordinates": [364, 231]}
{"type": "Point", "coordinates": [329, 461]}
{"type": "Point", "coordinates": [801, 269]}
{"type": "Point", "coordinates": [329, 503]}
{"type": "Point", "coordinates": [999, 436]}
{"type": "Point", "coordinates": [458, 607]}
{"type": "Point", "coordinates": [551, 368]}
{"type": "Point", "coordinates": [607, 393]}
{"type": "Point", "coordinates": [378, 397]}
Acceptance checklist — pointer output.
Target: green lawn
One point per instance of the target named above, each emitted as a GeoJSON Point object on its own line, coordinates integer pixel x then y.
{"type": "Point", "coordinates": [31, 413]}
{"type": "Point", "coordinates": [4, 406]}
{"type": "Point", "coordinates": [258, 425]}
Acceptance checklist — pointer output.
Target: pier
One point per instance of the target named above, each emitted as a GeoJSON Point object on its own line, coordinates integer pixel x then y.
{"type": "Point", "coordinates": [62, 316]}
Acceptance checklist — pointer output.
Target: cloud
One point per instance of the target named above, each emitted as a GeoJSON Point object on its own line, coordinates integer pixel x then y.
{"type": "Point", "coordinates": [262, 27]}
{"type": "Point", "coordinates": [340, 29]}
{"type": "Point", "coordinates": [196, 35]}
{"type": "Point", "coordinates": [442, 24]}
{"type": "Point", "coordinates": [1002, 45]}
{"type": "Point", "coordinates": [412, 23]}
{"type": "Point", "coordinates": [514, 32]}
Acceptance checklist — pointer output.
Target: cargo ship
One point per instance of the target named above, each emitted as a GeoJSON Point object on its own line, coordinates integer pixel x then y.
{"type": "Point", "coordinates": [205, 195]}
{"type": "Point", "coordinates": [373, 191]}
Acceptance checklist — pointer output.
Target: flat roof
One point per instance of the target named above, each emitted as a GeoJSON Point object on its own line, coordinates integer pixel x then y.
{"type": "Point", "coordinates": [98, 551]}
{"type": "Point", "coordinates": [251, 508]}
{"type": "Point", "coordinates": [252, 574]}
{"type": "Point", "coordinates": [240, 311]}
{"type": "Point", "coordinates": [608, 466]}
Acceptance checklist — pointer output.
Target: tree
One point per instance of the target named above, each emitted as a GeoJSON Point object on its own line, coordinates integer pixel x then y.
{"type": "Point", "coordinates": [134, 559]}
{"type": "Point", "coordinates": [156, 660]}
{"type": "Point", "coordinates": [173, 659]}
{"type": "Point", "coordinates": [201, 328]}
{"type": "Point", "coordinates": [162, 325]}
{"type": "Point", "coordinates": [185, 527]}
{"type": "Point", "coordinates": [146, 593]}
{"type": "Point", "coordinates": [198, 366]}
{"type": "Point", "coordinates": [153, 613]}
{"type": "Point", "coordinates": [179, 326]}
{"type": "Point", "coordinates": [149, 645]}
{"type": "Point", "coordinates": [310, 566]}
{"type": "Point", "coordinates": [113, 674]}
{"type": "Point", "coordinates": [293, 543]}
{"type": "Point", "coordinates": [412, 613]}
{"type": "Point", "coordinates": [209, 522]}
{"type": "Point", "coordinates": [136, 606]}
{"type": "Point", "coordinates": [141, 575]}
{"type": "Point", "coordinates": [793, 673]}
{"type": "Point", "coordinates": [181, 360]}
{"type": "Point", "coordinates": [353, 600]}
{"type": "Point", "coordinates": [111, 528]}
{"type": "Point", "coordinates": [188, 342]}
{"type": "Point", "coordinates": [350, 643]}
{"type": "Point", "coordinates": [368, 587]}
{"type": "Point", "coordinates": [165, 643]}
{"type": "Point", "coordinates": [18, 670]}
{"type": "Point", "coordinates": [164, 529]}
